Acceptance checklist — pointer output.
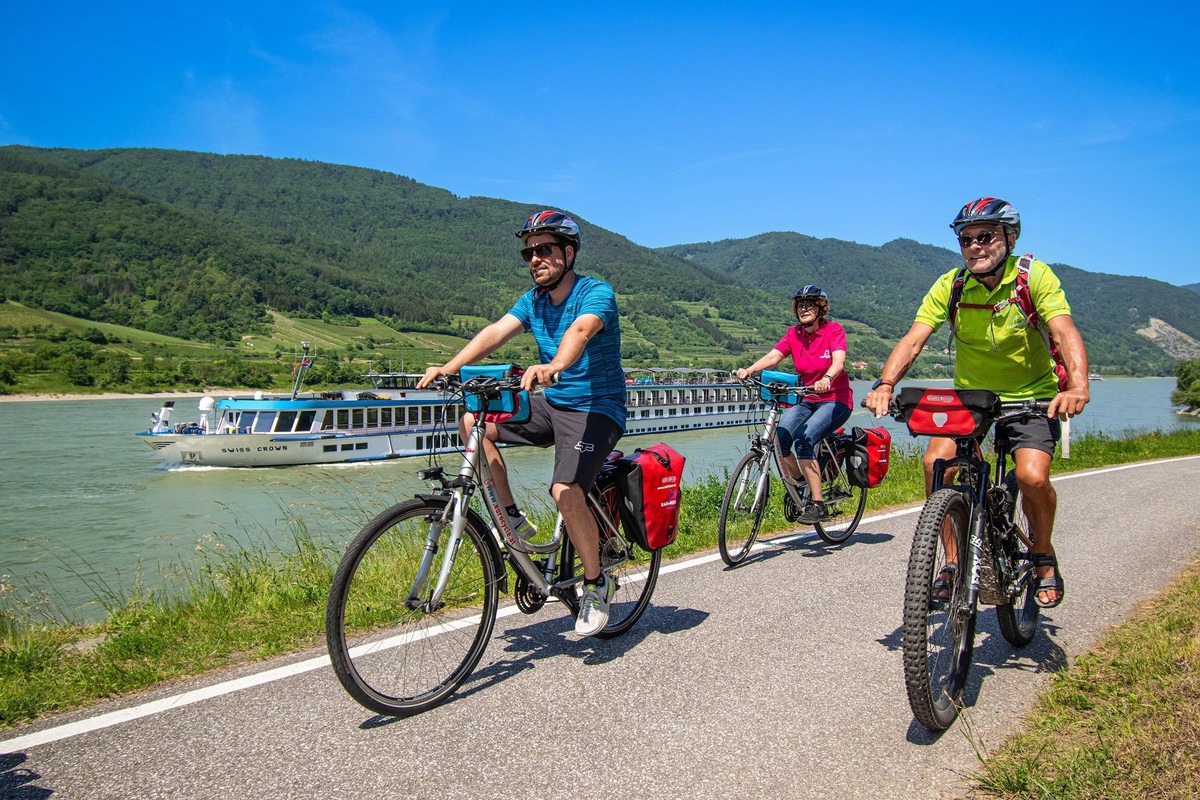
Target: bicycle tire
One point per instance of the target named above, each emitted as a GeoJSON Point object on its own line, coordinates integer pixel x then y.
{"type": "Point", "coordinates": [635, 580]}
{"type": "Point", "coordinates": [1019, 619]}
{"type": "Point", "coordinates": [392, 658]}
{"type": "Point", "coordinates": [742, 508]}
{"type": "Point", "coordinates": [937, 640]}
{"type": "Point", "coordinates": [844, 502]}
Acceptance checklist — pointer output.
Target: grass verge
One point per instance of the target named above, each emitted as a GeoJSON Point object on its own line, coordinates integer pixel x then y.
{"type": "Point", "coordinates": [246, 604]}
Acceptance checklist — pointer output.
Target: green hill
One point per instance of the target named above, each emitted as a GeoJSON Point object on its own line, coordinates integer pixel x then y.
{"type": "Point", "coordinates": [236, 252]}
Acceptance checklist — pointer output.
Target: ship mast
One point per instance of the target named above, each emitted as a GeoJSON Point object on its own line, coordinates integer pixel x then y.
{"type": "Point", "coordinates": [298, 372]}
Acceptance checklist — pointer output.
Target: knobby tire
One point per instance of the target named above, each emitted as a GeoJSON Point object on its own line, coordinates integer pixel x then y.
{"type": "Point", "coordinates": [1019, 619]}
{"type": "Point", "coordinates": [937, 640]}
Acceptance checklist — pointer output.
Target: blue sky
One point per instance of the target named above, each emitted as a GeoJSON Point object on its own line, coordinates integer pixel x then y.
{"type": "Point", "coordinates": [668, 122]}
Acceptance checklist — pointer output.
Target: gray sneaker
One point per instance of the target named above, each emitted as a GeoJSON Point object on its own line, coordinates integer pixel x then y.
{"type": "Point", "coordinates": [593, 607]}
{"type": "Point", "coordinates": [814, 511]}
{"type": "Point", "coordinates": [522, 527]}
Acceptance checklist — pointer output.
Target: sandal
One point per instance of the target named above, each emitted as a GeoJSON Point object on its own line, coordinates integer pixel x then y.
{"type": "Point", "coordinates": [1050, 584]}
{"type": "Point", "coordinates": [944, 585]}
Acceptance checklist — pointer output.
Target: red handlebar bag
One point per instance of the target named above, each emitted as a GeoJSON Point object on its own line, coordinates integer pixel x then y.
{"type": "Point", "coordinates": [947, 412]}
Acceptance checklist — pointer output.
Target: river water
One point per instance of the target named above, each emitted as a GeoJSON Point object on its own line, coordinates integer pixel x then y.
{"type": "Point", "coordinates": [86, 511]}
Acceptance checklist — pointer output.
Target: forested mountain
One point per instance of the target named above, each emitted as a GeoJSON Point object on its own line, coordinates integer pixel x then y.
{"type": "Point", "coordinates": [201, 246]}
{"type": "Point", "coordinates": [882, 286]}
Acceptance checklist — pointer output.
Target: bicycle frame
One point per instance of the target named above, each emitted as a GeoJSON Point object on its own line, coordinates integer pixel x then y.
{"type": "Point", "coordinates": [474, 473]}
{"type": "Point", "coordinates": [987, 498]}
{"type": "Point", "coordinates": [767, 441]}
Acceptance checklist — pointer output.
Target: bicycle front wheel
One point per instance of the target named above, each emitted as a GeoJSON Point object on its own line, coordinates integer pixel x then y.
{"type": "Point", "coordinates": [1018, 619]}
{"type": "Point", "coordinates": [395, 650]}
{"type": "Point", "coordinates": [938, 637]}
{"type": "Point", "coordinates": [743, 507]}
{"type": "Point", "coordinates": [844, 505]}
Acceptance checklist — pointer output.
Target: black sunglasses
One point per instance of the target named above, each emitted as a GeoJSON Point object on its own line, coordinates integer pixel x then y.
{"type": "Point", "coordinates": [539, 250]}
{"type": "Point", "coordinates": [965, 240]}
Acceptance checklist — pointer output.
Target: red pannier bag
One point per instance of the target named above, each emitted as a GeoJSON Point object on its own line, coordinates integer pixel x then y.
{"type": "Point", "coordinates": [867, 456]}
{"type": "Point", "coordinates": [947, 412]}
{"type": "Point", "coordinates": [649, 484]}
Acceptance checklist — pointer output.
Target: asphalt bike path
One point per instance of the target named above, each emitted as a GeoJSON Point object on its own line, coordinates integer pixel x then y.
{"type": "Point", "coordinates": [779, 678]}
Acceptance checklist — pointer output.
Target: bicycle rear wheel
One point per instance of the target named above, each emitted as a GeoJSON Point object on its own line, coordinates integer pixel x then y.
{"type": "Point", "coordinates": [743, 507]}
{"type": "Point", "coordinates": [844, 503]}
{"type": "Point", "coordinates": [1018, 619]}
{"type": "Point", "coordinates": [938, 637]}
{"type": "Point", "coordinates": [635, 579]}
{"type": "Point", "coordinates": [397, 656]}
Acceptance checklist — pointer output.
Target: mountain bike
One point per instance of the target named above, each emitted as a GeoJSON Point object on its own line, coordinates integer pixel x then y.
{"type": "Point", "coordinates": [973, 523]}
{"type": "Point", "coordinates": [749, 489]}
{"type": "Point", "coordinates": [415, 597]}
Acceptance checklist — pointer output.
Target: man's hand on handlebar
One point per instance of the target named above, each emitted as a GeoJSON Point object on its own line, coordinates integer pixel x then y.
{"type": "Point", "coordinates": [1068, 403]}
{"type": "Point", "coordinates": [431, 375]}
{"type": "Point", "coordinates": [878, 400]}
{"type": "Point", "coordinates": [539, 375]}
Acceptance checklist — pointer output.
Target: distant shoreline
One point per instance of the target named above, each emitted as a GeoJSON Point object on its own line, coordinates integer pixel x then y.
{"type": "Point", "coordinates": [29, 398]}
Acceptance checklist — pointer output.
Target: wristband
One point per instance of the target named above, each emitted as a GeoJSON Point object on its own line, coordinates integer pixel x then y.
{"type": "Point", "coordinates": [881, 382]}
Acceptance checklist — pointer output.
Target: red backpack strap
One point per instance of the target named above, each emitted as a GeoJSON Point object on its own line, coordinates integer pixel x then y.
{"type": "Point", "coordinates": [1025, 302]}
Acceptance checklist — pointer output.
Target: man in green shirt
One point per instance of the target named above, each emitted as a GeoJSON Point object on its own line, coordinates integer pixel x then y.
{"type": "Point", "coordinates": [997, 350]}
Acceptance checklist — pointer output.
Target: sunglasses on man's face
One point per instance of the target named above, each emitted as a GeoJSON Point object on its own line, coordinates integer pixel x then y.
{"type": "Point", "coordinates": [539, 250]}
{"type": "Point", "coordinates": [965, 240]}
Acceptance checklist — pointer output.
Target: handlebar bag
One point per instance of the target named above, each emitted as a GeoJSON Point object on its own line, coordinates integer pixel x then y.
{"type": "Point", "coordinates": [649, 483]}
{"type": "Point", "coordinates": [786, 399]}
{"type": "Point", "coordinates": [947, 412]}
{"type": "Point", "coordinates": [510, 406]}
{"type": "Point", "coordinates": [867, 456]}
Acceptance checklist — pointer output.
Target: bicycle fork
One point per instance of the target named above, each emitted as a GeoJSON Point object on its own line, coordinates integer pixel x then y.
{"type": "Point", "coordinates": [454, 513]}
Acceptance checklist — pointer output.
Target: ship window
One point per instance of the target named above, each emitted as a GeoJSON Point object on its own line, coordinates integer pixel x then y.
{"type": "Point", "coordinates": [327, 421]}
{"type": "Point", "coordinates": [426, 415]}
{"type": "Point", "coordinates": [360, 446]}
{"type": "Point", "coordinates": [329, 448]}
{"type": "Point", "coordinates": [385, 417]}
{"type": "Point", "coordinates": [306, 421]}
{"type": "Point", "coordinates": [372, 417]}
{"type": "Point", "coordinates": [356, 418]}
{"type": "Point", "coordinates": [413, 415]}
{"type": "Point", "coordinates": [262, 424]}
{"type": "Point", "coordinates": [286, 420]}
{"type": "Point", "coordinates": [343, 419]}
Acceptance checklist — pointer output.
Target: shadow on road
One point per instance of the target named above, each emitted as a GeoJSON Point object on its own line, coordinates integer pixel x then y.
{"type": "Point", "coordinates": [17, 783]}
{"type": "Point", "coordinates": [808, 544]}
{"type": "Point", "coordinates": [552, 638]}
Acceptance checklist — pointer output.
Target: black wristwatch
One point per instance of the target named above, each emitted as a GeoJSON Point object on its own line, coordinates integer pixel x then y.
{"type": "Point", "coordinates": [881, 382]}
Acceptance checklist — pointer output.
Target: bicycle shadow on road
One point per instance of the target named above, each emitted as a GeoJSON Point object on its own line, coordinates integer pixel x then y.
{"type": "Point", "coordinates": [16, 782]}
{"type": "Point", "coordinates": [553, 638]}
{"type": "Point", "coordinates": [808, 544]}
{"type": "Point", "coordinates": [994, 654]}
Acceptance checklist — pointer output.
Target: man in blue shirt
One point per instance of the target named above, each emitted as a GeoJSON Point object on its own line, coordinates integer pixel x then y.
{"type": "Point", "coordinates": [574, 320]}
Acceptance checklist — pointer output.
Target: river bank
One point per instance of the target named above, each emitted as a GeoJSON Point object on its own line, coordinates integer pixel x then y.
{"type": "Point", "coordinates": [30, 398]}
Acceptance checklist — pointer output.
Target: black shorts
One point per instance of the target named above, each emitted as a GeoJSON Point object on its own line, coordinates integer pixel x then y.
{"type": "Point", "coordinates": [581, 440]}
{"type": "Point", "coordinates": [1039, 433]}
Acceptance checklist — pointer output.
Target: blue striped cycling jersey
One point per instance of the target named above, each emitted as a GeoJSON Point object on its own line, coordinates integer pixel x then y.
{"type": "Point", "coordinates": [596, 381]}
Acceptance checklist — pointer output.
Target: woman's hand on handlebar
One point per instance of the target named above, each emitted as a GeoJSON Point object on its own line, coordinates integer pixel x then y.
{"type": "Point", "coordinates": [742, 374]}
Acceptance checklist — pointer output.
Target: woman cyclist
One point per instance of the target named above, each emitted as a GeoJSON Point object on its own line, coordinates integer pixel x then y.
{"type": "Point", "coordinates": [817, 346]}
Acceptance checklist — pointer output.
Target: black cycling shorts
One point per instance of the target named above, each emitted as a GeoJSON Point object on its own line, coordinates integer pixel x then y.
{"type": "Point", "coordinates": [1039, 433]}
{"type": "Point", "coordinates": [581, 440]}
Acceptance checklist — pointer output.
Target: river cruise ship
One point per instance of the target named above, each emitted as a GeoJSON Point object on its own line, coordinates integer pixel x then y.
{"type": "Point", "coordinates": [394, 420]}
